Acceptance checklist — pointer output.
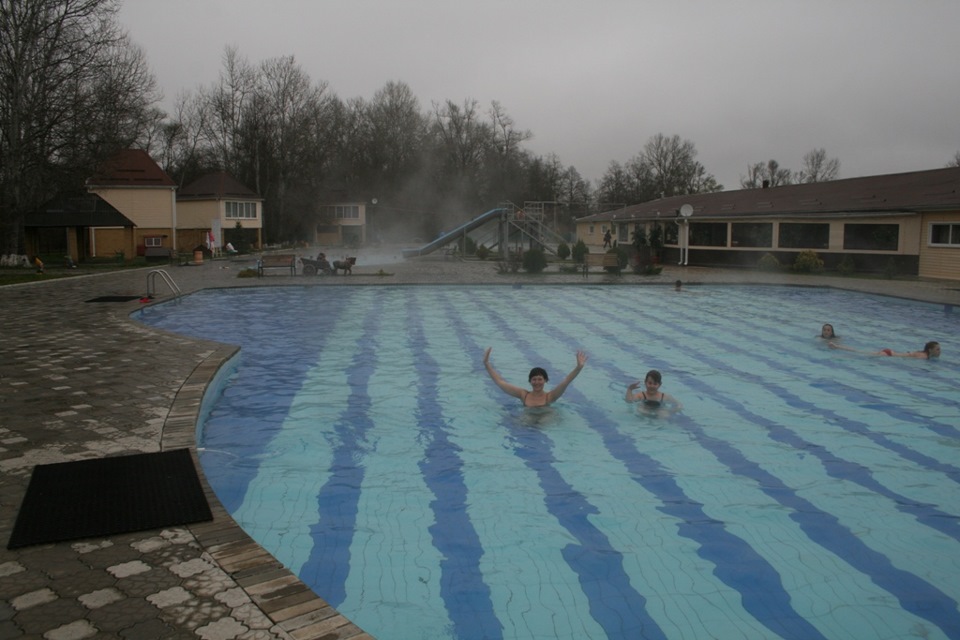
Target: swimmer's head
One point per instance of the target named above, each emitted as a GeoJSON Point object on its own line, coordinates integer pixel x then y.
{"type": "Point", "coordinates": [932, 349]}
{"type": "Point", "coordinates": [538, 371]}
{"type": "Point", "coordinates": [827, 331]}
{"type": "Point", "coordinates": [654, 375]}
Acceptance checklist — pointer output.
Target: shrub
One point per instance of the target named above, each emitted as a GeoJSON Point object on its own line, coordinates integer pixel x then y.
{"type": "Point", "coordinates": [808, 262]}
{"type": "Point", "coordinates": [621, 258]}
{"type": "Point", "coordinates": [579, 251]}
{"type": "Point", "coordinates": [247, 273]}
{"type": "Point", "coordinates": [647, 269]}
{"type": "Point", "coordinates": [563, 251]}
{"type": "Point", "coordinates": [768, 262]}
{"type": "Point", "coordinates": [847, 266]}
{"type": "Point", "coordinates": [570, 268]}
{"type": "Point", "coordinates": [482, 252]}
{"type": "Point", "coordinates": [534, 261]}
{"type": "Point", "coordinates": [471, 246]}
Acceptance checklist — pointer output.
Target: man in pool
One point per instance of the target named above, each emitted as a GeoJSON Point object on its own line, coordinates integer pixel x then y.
{"type": "Point", "coordinates": [930, 351]}
{"type": "Point", "coordinates": [537, 378]}
{"type": "Point", "coordinates": [652, 400]}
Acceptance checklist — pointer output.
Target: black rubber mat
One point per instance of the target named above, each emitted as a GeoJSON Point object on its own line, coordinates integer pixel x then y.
{"type": "Point", "coordinates": [113, 299]}
{"type": "Point", "coordinates": [96, 498]}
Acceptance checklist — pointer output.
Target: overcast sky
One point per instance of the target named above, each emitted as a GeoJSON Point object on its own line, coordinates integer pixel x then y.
{"type": "Point", "coordinates": [874, 82]}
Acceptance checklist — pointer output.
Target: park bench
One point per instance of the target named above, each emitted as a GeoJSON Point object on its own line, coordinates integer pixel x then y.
{"type": "Point", "coordinates": [608, 261]}
{"type": "Point", "coordinates": [277, 261]}
{"type": "Point", "coordinates": [156, 254]}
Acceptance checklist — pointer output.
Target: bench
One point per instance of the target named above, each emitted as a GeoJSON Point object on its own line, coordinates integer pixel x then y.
{"type": "Point", "coordinates": [153, 254]}
{"type": "Point", "coordinates": [279, 261]}
{"type": "Point", "coordinates": [608, 261]}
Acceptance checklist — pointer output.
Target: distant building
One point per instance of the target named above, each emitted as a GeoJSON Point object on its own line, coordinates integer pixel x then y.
{"type": "Point", "coordinates": [342, 223]}
{"type": "Point", "coordinates": [907, 221]}
{"type": "Point", "coordinates": [217, 203]}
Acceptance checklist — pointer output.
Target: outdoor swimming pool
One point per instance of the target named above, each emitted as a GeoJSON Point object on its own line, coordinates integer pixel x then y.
{"type": "Point", "coordinates": [802, 493]}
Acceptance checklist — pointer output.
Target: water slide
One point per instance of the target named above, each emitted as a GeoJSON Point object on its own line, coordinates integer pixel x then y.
{"type": "Point", "coordinates": [450, 236]}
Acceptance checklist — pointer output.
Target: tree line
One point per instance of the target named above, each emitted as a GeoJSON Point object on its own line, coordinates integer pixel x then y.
{"type": "Point", "coordinates": [74, 89]}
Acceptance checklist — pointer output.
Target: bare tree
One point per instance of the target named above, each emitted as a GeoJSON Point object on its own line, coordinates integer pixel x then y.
{"type": "Point", "coordinates": [282, 115]}
{"type": "Point", "coordinates": [71, 87]}
{"type": "Point", "coordinates": [754, 177]}
{"type": "Point", "coordinates": [817, 167]}
{"type": "Point", "coordinates": [226, 104]}
{"type": "Point", "coordinates": [769, 174]}
{"type": "Point", "coordinates": [955, 162]}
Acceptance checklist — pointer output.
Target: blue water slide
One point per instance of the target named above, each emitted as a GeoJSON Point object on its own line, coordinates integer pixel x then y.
{"type": "Point", "coordinates": [449, 236]}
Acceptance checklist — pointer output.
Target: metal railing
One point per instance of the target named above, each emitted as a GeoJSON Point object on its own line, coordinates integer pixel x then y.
{"type": "Point", "coordinates": [152, 283]}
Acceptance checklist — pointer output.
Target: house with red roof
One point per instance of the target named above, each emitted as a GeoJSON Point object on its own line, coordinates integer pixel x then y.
{"type": "Point", "coordinates": [907, 223]}
{"type": "Point", "coordinates": [134, 185]}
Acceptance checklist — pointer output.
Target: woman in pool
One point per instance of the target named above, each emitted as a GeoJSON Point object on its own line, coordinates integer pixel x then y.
{"type": "Point", "coordinates": [930, 351]}
{"type": "Point", "coordinates": [537, 378]}
{"type": "Point", "coordinates": [651, 399]}
{"type": "Point", "coordinates": [827, 333]}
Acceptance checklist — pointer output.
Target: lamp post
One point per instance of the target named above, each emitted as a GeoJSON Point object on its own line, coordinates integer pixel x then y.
{"type": "Point", "coordinates": [683, 221]}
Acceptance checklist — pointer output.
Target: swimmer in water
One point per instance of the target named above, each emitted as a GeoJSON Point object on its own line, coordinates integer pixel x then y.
{"type": "Point", "coordinates": [537, 397]}
{"type": "Point", "coordinates": [827, 333]}
{"type": "Point", "coordinates": [651, 399]}
{"type": "Point", "coordinates": [930, 351]}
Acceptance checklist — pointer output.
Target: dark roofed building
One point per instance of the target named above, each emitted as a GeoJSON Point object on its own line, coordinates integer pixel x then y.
{"type": "Point", "coordinates": [907, 222]}
{"type": "Point", "coordinates": [62, 225]}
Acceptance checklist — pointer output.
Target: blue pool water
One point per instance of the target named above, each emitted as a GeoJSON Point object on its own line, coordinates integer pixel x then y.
{"type": "Point", "coordinates": [802, 493]}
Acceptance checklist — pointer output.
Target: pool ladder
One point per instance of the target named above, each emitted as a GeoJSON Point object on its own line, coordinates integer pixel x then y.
{"type": "Point", "coordinates": [152, 283]}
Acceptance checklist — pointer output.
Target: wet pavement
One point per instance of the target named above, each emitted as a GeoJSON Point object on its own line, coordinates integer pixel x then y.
{"type": "Point", "coordinates": [83, 380]}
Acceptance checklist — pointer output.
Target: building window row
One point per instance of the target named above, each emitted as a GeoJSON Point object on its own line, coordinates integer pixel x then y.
{"type": "Point", "coordinates": [343, 211]}
{"type": "Point", "coordinates": [803, 235]}
{"type": "Point", "coordinates": [241, 210]}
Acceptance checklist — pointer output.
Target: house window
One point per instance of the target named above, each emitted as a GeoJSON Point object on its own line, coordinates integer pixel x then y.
{"type": "Point", "coordinates": [804, 235]}
{"type": "Point", "coordinates": [241, 210]}
{"type": "Point", "coordinates": [344, 211]}
{"type": "Point", "coordinates": [153, 241]}
{"type": "Point", "coordinates": [943, 234]}
{"type": "Point", "coordinates": [751, 234]}
{"type": "Point", "coordinates": [871, 237]}
{"type": "Point", "coordinates": [708, 234]}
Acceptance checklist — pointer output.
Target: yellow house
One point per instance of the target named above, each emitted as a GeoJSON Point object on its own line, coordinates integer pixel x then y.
{"type": "Point", "coordinates": [218, 204]}
{"type": "Point", "coordinates": [908, 222]}
{"type": "Point", "coordinates": [133, 184]}
{"type": "Point", "coordinates": [342, 224]}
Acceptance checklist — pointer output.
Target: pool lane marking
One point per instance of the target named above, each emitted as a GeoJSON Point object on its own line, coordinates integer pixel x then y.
{"type": "Point", "coordinates": [823, 528]}
{"type": "Point", "coordinates": [328, 565]}
{"type": "Point", "coordinates": [465, 594]}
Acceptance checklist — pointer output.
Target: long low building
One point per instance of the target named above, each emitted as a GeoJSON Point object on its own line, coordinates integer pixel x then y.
{"type": "Point", "coordinates": [908, 223]}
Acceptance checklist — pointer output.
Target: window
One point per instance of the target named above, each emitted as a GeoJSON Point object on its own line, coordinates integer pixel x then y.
{"type": "Point", "coordinates": [238, 210]}
{"type": "Point", "coordinates": [751, 234]}
{"type": "Point", "coordinates": [671, 234]}
{"type": "Point", "coordinates": [153, 241]}
{"type": "Point", "coordinates": [344, 211]}
{"type": "Point", "coordinates": [871, 237]}
{"type": "Point", "coordinates": [943, 234]}
{"type": "Point", "coordinates": [804, 235]}
{"type": "Point", "coordinates": [708, 234]}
